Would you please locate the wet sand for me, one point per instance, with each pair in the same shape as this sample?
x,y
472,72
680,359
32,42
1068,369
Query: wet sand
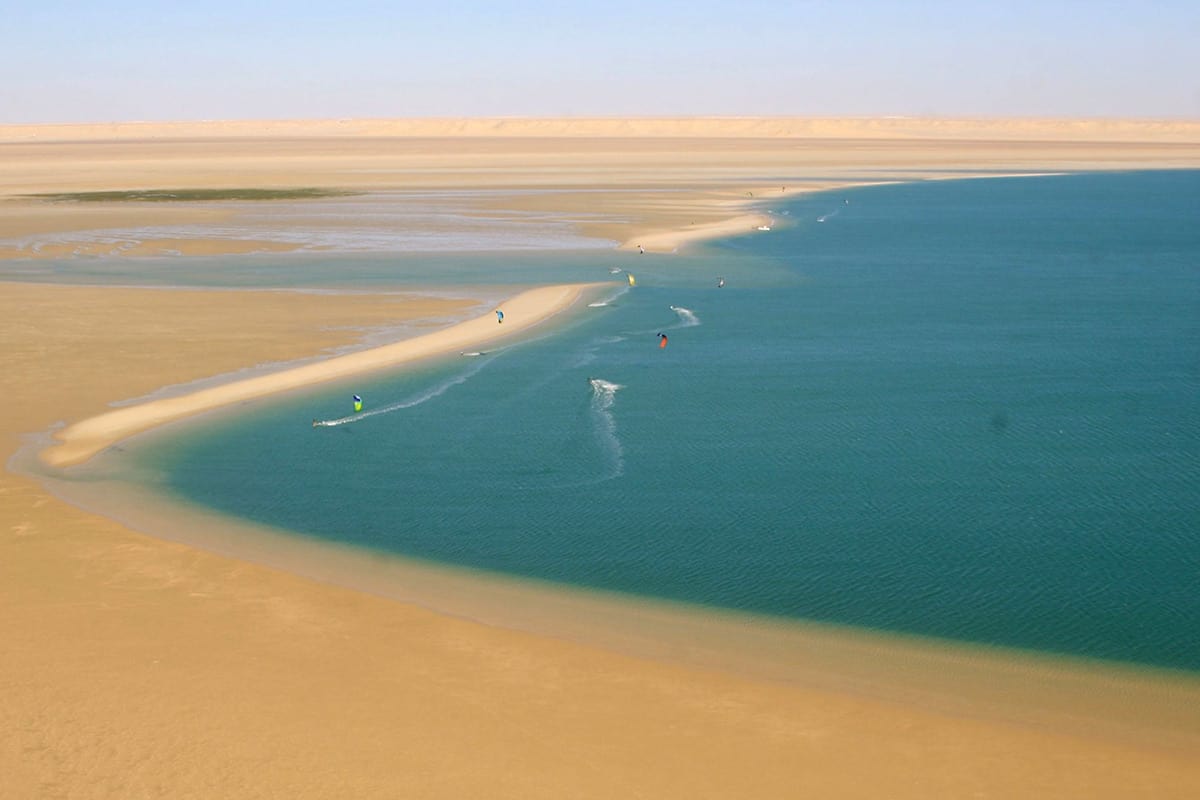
x,y
139,666
659,183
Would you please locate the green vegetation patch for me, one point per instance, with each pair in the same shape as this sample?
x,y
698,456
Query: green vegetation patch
x,y
190,195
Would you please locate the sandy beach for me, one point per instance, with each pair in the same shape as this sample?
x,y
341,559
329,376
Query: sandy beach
x,y
82,440
138,666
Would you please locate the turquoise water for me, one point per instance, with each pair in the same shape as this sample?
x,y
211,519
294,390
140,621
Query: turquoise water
x,y
966,409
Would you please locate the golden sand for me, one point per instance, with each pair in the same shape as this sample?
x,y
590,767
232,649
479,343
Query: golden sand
x,y
625,180
81,440
133,666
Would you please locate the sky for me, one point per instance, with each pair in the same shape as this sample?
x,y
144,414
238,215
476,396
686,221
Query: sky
x,y
123,60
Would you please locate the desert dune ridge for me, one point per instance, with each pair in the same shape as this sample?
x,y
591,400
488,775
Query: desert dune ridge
x,y
888,128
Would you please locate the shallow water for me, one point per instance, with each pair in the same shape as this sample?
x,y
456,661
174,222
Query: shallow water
x,y
375,222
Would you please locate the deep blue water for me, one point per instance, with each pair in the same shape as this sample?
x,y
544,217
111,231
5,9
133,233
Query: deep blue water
x,y
966,409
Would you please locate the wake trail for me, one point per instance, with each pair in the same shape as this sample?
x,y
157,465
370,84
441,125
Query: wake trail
x,y
436,390
687,317
609,300
604,426
833,213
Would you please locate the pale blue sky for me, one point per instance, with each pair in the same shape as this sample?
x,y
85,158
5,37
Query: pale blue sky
x,y
146,60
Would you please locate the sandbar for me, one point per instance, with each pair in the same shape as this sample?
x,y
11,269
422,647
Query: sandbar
x,y
81,440
135,665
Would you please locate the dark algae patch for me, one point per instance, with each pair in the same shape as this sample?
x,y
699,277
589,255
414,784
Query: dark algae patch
x,y
190,195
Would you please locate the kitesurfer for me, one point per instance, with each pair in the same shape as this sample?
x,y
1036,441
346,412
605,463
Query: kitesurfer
x,y
357,404
662,341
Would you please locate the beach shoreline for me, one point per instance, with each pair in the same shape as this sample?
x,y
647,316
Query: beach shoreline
x,y
136,662
81,440
1055,692
657,183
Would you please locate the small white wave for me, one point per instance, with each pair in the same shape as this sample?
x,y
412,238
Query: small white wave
x,y
687,317
605,388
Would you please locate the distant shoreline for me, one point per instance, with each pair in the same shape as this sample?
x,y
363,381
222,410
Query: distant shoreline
x,y
653,183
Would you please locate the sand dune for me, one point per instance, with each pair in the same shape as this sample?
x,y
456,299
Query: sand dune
x,y
1031,129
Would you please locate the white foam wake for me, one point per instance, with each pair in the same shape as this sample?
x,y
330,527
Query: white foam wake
x,y
833,213
608,301
687,317
604,391
436,390
604,394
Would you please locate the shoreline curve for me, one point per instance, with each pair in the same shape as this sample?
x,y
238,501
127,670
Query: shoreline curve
x,y
82,440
